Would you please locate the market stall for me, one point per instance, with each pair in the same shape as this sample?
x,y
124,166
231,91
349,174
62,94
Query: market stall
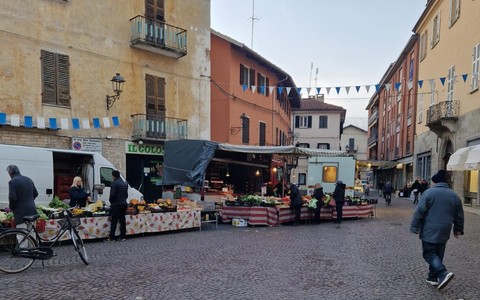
x,y
286,215
254,215
99,227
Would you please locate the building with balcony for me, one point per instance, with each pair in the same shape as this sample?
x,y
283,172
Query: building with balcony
x,y
391,122
57,66
316,124
449,100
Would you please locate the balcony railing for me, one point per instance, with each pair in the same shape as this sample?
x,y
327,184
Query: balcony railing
x,y
158,37
373,117
443,110
158,128
372,139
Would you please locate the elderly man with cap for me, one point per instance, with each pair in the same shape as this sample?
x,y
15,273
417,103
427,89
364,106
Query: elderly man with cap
x,y
439,208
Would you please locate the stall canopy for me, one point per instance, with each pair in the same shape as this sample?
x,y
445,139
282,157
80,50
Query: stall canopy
x,y
465,159
185,161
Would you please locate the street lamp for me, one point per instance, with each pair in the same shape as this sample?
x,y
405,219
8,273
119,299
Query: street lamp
x,y
117,84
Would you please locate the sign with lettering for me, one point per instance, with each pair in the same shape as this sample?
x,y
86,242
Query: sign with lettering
x,y
90,145
144,149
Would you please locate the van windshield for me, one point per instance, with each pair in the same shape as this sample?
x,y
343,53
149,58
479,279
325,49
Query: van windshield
x,y
106,176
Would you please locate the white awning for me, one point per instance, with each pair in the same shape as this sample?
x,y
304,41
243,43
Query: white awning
x,y
465,159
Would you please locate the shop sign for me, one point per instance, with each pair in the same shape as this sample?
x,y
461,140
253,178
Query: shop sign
x,y
143,149
90,145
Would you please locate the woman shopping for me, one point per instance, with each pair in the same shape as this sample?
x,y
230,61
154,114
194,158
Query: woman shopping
x,y
78,196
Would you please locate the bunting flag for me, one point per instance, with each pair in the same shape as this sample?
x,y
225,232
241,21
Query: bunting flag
x,y
396,85
41,122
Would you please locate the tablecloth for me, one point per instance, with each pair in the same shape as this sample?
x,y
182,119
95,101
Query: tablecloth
x,y
255,215
99,227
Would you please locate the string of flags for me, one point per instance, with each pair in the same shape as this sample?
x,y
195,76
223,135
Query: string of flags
x,y
338,89
58,123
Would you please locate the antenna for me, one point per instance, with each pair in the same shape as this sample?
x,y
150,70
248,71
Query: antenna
x,y
316,75
311,69
253,18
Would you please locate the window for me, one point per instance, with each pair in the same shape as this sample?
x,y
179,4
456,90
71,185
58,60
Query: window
x,y
106,176
432,92
262,132
435,30
323,146
411,68
351,144
55,78
303,121
329,174
476,66
423,45
245,129
302,178
247,76
155,91
423,165
450,83
303,145
323,122
155,21
155,10
262,85
454,12
420,108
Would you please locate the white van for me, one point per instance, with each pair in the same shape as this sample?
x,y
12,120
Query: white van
x,y
52,171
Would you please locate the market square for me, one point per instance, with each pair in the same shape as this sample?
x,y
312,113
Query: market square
x,y
366,258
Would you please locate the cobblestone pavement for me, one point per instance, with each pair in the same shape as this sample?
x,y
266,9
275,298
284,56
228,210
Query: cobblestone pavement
x,y
364,259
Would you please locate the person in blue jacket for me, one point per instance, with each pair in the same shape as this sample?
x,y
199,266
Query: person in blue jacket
x,y
439,208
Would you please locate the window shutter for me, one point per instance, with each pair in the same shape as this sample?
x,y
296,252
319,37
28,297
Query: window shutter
x,y
48,77
242,71
267,87
297,121
252,77
161,96
150,92
259,90
309,122
63,80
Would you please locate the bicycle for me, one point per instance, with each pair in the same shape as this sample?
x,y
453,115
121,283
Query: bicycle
x,y
20,247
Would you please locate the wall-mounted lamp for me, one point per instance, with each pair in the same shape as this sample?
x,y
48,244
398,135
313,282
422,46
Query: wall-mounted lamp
x,y
399,166
228,174
117,84
257,172
235,130
274,169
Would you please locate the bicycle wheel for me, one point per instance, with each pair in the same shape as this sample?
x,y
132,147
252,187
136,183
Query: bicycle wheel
x,y
79,245
10,262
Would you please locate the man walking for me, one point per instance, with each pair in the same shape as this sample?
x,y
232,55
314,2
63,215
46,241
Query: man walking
x,y
118,209
439,208
21,195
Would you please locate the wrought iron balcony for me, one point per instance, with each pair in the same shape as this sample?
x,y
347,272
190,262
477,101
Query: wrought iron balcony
x,y
148,127
158,37
372,139
442,116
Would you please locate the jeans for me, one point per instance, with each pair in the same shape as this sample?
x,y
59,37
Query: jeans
x,y
117,214
433,255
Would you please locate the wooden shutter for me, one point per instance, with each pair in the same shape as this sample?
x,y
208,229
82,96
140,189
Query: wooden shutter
x,y
48,78
263,130
63,80
297,121
267,87
242,71
150,92
161,97
252,77
309,122
155,10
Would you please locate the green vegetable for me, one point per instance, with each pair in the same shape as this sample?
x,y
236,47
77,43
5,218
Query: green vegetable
x,y
41,214
57,203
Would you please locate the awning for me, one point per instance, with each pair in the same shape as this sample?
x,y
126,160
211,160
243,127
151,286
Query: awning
x,y
465,159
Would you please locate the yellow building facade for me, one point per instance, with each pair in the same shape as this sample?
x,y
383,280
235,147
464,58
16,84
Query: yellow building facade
x,y
57,60
448,98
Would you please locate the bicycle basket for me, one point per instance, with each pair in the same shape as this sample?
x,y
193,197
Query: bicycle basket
x,y
74,221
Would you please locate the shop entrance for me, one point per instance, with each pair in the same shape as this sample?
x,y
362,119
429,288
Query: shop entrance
x,y
145,173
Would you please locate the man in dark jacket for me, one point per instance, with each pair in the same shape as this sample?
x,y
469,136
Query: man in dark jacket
x,y
339,196
118,206
296,203
21,195
439,208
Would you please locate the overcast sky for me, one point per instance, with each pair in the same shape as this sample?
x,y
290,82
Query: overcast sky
x,y
350,42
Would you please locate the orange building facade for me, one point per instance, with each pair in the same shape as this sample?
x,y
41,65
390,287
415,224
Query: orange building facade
x,y
250,101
